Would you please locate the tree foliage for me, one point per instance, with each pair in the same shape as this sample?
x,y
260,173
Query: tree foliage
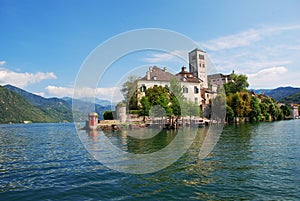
x,y
159,95
145,106
241,103
108,115
239,83
176,97
129,91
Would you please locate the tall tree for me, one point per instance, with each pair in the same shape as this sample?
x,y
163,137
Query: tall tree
x,y
145,107
256,111
176,96
129,91
286,110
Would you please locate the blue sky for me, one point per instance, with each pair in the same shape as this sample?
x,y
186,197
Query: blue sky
x,y
44,43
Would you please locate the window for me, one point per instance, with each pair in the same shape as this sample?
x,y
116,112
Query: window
x,y
196,90
143,88
185,90
201,56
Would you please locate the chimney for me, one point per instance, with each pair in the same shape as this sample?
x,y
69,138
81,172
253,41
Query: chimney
x,y
183,69
165,69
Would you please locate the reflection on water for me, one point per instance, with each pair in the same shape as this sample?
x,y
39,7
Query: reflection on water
x,y
249,162
120,151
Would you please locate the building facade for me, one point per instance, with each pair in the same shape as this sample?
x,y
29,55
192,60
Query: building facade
x,y
217,80
193,82
160,77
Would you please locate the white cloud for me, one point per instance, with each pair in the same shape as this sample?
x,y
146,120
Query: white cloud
x,y
2,63
112,93
273,77
39,93
166,56
233,41
245,38
23,79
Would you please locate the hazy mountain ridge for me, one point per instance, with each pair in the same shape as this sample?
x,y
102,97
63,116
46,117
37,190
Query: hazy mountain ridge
x,y
293,98
86,107
279,93
60,109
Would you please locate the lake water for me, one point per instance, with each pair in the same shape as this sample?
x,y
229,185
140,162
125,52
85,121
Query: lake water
x,y
249,162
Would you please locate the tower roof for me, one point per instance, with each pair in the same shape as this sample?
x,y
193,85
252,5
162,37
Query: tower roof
x,y
197,50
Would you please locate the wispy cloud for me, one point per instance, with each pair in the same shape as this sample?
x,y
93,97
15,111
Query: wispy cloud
x,y
166,56
245,38
233,41
2,63
112,93
267,55
23,79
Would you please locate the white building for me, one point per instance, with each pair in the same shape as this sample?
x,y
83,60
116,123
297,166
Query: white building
x,y
217,80
193,83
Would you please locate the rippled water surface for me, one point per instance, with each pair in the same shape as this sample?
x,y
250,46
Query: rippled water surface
x,y
249,162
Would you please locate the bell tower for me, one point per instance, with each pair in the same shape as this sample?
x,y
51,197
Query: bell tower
x,y
197,65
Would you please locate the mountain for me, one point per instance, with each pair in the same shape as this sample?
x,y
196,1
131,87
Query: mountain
x,y
16,109
52,109
97,101
86,107
278,93
55,108
293,98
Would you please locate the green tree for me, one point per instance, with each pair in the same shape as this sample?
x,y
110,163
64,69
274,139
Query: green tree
x,y
235,101
246,103
256,110
176,96
286,110
145,107
229,113
154,94
164,102
108,115
129,91
239,83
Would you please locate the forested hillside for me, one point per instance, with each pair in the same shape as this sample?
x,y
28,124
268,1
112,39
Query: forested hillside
x,y
16,109
55,108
